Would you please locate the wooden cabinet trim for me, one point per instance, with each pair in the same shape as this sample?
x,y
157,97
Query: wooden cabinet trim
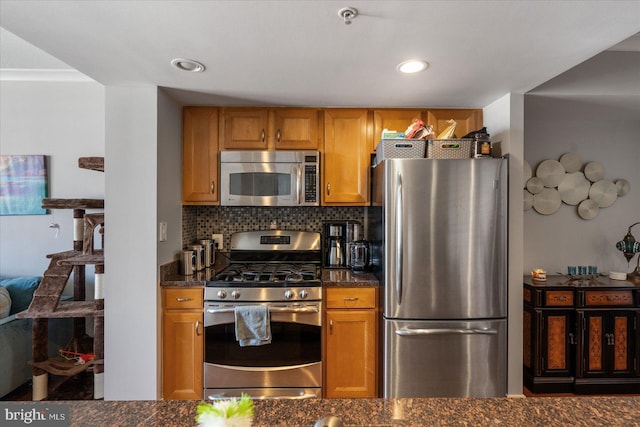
x,y
183,298
559,298
351,297
608,298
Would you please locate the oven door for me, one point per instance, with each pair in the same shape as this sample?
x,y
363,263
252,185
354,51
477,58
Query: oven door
x,y
290,366
261,184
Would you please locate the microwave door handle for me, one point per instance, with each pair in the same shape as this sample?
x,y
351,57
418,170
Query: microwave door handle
x,y
298,184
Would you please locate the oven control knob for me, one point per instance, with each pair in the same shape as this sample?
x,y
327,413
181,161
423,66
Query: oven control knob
x,y
304,294
288,294
222,294
235,294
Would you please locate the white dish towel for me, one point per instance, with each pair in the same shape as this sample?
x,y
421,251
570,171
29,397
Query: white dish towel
x,y
253,326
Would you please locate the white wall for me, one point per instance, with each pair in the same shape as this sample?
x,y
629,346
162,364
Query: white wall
x,y
131,253
169,175
595,129
65,121
504,120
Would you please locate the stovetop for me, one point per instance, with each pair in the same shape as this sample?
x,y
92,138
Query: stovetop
x,y
248,274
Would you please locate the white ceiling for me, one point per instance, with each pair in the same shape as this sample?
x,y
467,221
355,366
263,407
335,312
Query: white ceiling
x,y
300,53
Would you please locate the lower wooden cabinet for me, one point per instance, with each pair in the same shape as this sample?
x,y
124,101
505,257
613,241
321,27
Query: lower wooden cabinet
x,y
182,343
351,338
581,337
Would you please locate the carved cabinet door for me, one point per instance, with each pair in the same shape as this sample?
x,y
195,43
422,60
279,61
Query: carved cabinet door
x,y
558,343
608,343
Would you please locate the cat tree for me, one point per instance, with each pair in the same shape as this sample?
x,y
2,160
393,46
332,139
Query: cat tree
x,y
82,352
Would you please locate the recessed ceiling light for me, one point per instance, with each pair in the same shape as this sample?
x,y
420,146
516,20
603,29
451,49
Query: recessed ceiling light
x,y
412,66
187,65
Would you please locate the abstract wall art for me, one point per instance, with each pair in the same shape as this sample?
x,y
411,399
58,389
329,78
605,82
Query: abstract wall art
x,y
23,184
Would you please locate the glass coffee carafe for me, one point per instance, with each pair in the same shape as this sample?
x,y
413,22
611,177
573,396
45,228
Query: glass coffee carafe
x,y
359,255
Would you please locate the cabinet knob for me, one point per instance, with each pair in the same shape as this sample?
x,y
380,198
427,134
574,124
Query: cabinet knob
x,y
183,299
351,299
213,187
262,135
328,189
278,135
197,327
330,326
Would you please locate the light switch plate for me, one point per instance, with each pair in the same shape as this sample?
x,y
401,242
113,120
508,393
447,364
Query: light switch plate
x,y
162,232
217,241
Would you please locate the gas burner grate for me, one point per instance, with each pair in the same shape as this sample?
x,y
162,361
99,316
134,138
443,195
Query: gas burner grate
x,y
269,273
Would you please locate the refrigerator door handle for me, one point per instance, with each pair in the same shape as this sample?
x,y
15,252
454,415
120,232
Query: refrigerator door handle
x,y
399,263
445,331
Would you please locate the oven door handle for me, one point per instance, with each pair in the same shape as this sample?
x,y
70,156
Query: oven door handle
x,y
271,310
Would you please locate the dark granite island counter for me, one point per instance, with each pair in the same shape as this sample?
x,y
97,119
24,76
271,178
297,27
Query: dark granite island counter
x,y
541,411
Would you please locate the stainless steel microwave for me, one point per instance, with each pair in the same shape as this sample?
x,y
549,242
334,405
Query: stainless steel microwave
x,y
269,178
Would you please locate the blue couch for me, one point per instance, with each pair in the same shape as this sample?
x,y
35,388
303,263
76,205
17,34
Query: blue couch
x,y
15,334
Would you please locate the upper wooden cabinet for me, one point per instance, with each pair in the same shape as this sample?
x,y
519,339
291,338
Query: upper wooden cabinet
x,y
244,128
467,120
269,129
200,156
398,120
296,129
347,157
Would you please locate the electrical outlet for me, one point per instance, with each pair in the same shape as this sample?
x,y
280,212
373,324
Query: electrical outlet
x,y
217,241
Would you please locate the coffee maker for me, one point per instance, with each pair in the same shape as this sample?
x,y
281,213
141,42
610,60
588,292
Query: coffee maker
x,y
338,237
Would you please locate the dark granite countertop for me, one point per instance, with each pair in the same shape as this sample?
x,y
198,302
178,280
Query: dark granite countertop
x,y
345,277
170,276
538,411
599,281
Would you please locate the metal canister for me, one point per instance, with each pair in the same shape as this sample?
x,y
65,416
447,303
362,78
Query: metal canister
x,y
209,252
187,262
482,145
199,251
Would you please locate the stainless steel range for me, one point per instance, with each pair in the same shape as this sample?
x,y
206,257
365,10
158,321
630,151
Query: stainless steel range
x,y
281,270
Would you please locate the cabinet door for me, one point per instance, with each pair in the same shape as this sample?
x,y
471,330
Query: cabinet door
x,y
351,353
296,129
558,343
347,156
398,120
467,120
200,155
182,354
244,129
608,346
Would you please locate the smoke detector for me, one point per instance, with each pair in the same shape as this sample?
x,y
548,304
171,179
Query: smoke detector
x,y
348,14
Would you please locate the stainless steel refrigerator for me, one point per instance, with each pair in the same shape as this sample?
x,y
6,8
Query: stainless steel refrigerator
x,y
438,232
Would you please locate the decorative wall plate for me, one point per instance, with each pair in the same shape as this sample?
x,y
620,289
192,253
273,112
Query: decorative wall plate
x,y
551,172
623,187
528,200
594,171
574,188
547,201
588,209
535,185
571,162
603,192
526,173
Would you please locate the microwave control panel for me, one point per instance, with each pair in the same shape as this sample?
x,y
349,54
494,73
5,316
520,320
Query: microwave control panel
x,y
310,184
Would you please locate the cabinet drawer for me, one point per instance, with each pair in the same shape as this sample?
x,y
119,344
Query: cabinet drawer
x,y
351,298
182,298
558,298
608,298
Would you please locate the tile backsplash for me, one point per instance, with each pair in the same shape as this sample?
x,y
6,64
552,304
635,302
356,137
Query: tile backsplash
x,y
199,222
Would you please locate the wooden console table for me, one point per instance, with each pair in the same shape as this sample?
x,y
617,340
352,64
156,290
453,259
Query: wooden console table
x,y
581,336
